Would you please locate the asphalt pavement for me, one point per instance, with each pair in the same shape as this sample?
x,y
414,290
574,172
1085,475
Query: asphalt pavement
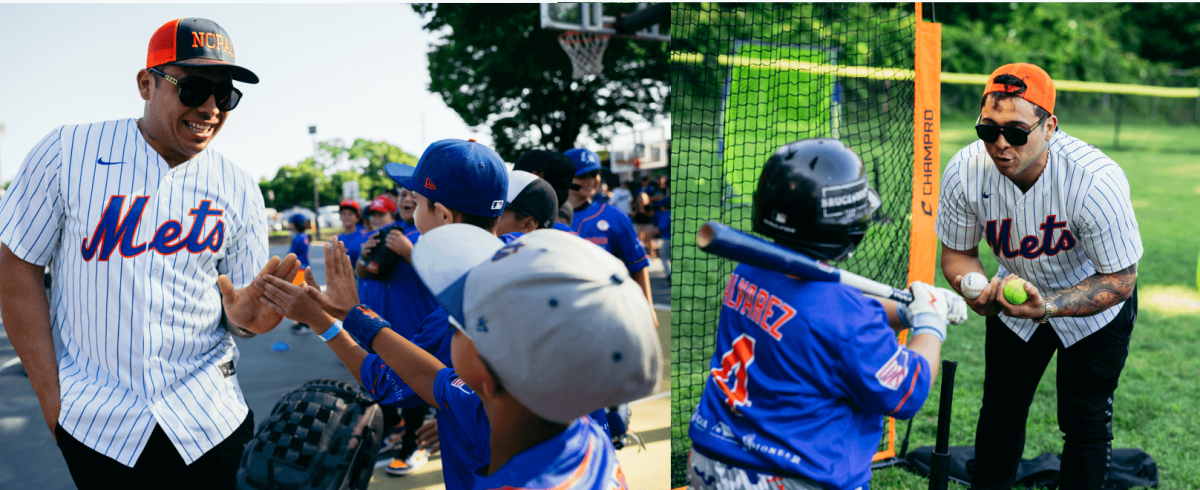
x,y
29,458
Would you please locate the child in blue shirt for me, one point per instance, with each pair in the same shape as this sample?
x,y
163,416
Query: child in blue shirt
x,y
525,377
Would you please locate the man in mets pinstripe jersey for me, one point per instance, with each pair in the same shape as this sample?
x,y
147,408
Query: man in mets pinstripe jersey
x,y
149,233
803,372
1055,211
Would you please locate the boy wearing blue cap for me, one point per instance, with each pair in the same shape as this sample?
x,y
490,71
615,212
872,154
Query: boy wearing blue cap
x,y
455,181
520,391
603,224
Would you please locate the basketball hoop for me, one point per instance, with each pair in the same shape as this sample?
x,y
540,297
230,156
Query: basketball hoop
x,y
586,50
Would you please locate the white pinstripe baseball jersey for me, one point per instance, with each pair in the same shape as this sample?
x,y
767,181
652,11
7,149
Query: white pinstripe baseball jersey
x,y
135,249
1075,221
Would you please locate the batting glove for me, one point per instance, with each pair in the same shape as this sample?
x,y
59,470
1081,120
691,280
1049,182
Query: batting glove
x,y
957,311
929,310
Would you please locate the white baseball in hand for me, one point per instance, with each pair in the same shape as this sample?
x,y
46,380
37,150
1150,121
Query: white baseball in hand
x,y
972,285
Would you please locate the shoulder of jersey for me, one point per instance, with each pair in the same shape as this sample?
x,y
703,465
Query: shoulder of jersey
x,y
71,132
972,155
1081,154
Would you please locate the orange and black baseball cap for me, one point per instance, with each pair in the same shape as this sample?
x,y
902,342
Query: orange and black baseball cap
x,y
195,42
1039,88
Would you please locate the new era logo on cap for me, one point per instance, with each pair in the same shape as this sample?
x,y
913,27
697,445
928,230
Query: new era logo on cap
x,y
464,176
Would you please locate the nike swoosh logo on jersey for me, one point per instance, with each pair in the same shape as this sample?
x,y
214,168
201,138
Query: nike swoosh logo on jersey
x,y
986,195
102,162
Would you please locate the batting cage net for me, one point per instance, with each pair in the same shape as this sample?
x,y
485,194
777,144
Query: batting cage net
x,y
746,79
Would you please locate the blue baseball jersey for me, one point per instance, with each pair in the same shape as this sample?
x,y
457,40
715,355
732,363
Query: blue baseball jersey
x,y
409,302
607,227
579,458
300,248
463,430
662,219
353,242
801,377
561,227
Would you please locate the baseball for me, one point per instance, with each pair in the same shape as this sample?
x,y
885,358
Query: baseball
x,y
972,285
1014,292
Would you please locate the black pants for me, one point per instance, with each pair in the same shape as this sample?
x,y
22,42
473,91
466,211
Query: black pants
x,y
414,418
1088,371
160,465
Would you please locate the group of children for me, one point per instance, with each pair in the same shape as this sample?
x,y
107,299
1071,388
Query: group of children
x,y
519,335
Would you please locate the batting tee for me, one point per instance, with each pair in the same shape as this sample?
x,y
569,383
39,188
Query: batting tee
x,y
749,78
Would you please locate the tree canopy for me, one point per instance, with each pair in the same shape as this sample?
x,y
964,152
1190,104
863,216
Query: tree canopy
x,y
497,68
363,161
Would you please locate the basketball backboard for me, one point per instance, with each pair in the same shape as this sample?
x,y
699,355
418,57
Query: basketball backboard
x,y
639,150
646,21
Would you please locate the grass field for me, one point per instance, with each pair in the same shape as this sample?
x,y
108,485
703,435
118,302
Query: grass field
x,y
1155,407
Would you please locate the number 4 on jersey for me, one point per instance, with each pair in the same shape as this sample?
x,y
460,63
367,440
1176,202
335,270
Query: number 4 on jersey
x,y
734,364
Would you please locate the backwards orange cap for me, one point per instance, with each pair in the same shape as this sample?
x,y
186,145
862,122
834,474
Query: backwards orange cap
x,y
1039,87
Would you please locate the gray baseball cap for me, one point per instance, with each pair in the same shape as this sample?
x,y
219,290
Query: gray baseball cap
x,y
558,318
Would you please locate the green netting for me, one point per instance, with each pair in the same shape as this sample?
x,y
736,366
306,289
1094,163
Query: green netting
x,y
746,79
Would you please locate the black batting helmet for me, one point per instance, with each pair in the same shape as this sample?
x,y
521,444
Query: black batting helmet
x,y
813,197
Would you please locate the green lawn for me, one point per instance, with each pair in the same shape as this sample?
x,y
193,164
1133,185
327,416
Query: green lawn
x,y
1154,405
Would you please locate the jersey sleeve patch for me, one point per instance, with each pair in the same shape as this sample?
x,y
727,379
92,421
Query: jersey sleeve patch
x,y
895,371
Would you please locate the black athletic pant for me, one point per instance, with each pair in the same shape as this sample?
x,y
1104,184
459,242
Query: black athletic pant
x,y
414,418
159,465
1087,378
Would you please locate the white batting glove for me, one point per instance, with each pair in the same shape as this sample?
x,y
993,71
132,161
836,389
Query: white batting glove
x,y
929,310
957,311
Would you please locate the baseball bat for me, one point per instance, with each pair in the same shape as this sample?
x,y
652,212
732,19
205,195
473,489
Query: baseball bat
x,y
939,463
723,241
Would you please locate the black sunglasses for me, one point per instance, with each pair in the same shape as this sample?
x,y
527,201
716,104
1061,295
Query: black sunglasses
x,y
1013,135
195,91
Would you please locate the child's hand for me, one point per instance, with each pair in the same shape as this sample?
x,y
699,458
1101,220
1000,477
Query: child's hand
x,y
292,301
397,242
341,291
369,245
427,437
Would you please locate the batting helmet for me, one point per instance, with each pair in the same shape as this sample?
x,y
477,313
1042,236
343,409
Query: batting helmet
x,y
813,197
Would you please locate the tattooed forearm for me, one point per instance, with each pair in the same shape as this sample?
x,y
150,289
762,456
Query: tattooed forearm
x,y
1095,294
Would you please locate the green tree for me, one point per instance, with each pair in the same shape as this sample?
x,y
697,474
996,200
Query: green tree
x,y
367,158
496,67
363,161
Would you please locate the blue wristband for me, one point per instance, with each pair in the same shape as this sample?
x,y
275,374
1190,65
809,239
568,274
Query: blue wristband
x,y
364,324
332,332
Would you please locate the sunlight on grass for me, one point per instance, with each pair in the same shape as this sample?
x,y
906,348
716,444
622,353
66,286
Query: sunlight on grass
x,y
1170,300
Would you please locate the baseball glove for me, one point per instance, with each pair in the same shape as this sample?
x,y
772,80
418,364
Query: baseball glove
x,y
323,435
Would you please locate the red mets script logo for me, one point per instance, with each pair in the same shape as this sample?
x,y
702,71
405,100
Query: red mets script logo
x,y
115,231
